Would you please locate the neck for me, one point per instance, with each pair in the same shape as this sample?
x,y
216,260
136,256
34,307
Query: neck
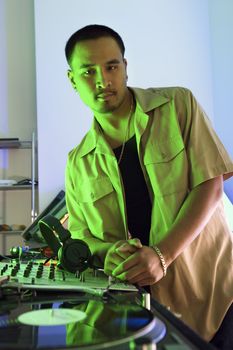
x,y
118,125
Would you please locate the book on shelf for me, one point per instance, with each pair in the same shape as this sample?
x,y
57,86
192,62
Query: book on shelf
x,y
7,182
8,142
4,139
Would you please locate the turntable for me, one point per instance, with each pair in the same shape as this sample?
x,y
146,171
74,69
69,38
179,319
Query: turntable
x,y
75,323
86,312
43,306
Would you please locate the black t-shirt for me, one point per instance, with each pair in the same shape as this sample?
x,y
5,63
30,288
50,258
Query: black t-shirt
x,y
138,202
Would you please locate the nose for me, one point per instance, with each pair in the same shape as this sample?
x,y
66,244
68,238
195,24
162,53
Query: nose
x,y
102,80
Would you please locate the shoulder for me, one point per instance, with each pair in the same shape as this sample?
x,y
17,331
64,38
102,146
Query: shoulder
x,y
170,91
178,93
153,97
81,148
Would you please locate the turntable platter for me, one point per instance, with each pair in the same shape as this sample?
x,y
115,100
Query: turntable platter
x,y
97,325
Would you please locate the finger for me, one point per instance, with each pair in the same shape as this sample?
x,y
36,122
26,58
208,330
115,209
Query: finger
x,y
136,277
109,268
124,255
129,247
135,242
133,260
146,282
129,275
112,261
140,277
117,259
126,265
126,247
107,272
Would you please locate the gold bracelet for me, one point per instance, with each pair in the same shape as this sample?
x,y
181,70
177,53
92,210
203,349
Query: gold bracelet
x,y
161,258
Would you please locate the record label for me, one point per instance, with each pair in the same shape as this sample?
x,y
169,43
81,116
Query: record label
x,y
51,317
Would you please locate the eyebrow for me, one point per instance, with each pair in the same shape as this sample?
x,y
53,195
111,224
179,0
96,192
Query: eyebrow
x,y
87,65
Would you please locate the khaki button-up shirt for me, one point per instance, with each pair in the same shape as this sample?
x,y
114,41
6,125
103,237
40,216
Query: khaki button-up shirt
x,y
178,150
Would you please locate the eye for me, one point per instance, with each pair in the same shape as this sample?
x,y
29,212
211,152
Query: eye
x,y
89,72
112,67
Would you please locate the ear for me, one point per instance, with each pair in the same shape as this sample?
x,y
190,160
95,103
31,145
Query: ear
x,y
71,78
125,63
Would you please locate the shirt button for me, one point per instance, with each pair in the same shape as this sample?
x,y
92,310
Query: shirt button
x,y
92,195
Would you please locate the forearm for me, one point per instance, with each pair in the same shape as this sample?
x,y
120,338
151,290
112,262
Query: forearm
x,y
192,218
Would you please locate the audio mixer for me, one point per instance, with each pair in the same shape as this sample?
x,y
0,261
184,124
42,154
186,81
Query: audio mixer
x,y
36,275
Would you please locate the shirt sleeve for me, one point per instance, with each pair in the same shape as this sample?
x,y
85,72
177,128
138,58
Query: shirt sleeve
x,y
206,154
77,224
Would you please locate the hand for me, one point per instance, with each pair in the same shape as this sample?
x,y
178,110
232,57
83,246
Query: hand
x,y
120,251
143,267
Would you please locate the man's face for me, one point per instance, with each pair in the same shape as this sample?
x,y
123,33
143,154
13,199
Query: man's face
x,y
98,73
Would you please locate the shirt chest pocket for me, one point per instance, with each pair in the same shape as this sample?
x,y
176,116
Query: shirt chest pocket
x,y
166,165
93,190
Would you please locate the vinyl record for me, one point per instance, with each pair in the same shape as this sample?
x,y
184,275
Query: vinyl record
x,y
88,325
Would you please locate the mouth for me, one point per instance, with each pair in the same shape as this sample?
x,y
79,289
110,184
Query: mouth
x,y
105,96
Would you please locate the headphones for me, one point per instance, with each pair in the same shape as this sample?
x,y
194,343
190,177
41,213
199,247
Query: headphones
x,y
73,254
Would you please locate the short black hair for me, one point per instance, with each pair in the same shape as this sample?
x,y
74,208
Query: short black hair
x,y
92,31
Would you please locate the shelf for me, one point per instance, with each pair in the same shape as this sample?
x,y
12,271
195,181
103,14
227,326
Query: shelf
x,y
10,232
10,146
16,187
15,144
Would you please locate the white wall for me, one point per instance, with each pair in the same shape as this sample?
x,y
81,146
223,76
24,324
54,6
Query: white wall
x,y
17,102
167,43
221,21
17,69
3,70
221,25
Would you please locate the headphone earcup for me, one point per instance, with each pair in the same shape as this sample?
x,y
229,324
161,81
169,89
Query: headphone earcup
x,y
75,255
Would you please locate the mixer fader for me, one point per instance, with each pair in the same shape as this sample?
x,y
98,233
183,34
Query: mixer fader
x,y
37,275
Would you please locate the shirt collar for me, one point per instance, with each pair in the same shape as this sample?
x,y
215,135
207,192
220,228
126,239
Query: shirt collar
x,y
146,100
94,139
149,99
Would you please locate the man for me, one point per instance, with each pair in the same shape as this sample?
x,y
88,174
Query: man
x,y
144,187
